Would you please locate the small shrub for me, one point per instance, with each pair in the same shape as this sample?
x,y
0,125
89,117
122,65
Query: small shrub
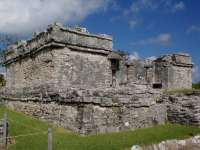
x,y
179,91
196,85
2,80
122,53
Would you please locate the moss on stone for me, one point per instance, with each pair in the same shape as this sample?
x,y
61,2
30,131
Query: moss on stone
x,y
181,91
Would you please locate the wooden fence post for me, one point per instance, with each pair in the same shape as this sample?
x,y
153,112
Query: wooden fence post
x,y
5,130
50,139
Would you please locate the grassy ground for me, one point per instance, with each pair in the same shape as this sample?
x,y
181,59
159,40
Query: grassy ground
x,y
181,91
196,85
65,140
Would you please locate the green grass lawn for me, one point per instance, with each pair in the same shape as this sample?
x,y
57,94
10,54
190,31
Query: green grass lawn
x,y
21,124
196,85
181,91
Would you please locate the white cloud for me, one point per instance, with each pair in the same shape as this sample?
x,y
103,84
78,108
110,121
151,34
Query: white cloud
x,y
141,5
138,8
161,39
133,23
164,39
152,58
112,4
196,74
178,6
193,28
21,16
3,71
134,56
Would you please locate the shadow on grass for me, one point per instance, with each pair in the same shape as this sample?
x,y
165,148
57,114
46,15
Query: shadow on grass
x,y
66,140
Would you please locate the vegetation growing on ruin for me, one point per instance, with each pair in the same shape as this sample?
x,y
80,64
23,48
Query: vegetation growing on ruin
x,y
180,91
2,80
196,85
21,124
122,53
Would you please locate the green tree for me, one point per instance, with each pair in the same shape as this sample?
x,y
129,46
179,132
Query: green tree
x,y
2,80
196,85
122,53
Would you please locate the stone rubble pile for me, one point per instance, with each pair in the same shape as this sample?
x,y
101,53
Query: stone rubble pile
x,y
188,144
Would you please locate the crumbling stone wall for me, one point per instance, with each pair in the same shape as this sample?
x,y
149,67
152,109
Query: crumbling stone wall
x,y
31,72
73,79
192,143
63,57
184,108
60,68
79,69
174,71
180,77
59,58
136,71
110,110
94,111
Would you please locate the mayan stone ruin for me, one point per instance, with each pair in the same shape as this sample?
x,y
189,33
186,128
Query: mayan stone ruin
x,y
76,80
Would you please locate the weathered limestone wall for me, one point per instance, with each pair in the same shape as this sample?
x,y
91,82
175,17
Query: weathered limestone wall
x,y
149,67
184,108
81,69
65,76
95,111
173,77
59,68
188,144
59,58
174,71
161,74
81,38
121,74
57,34
31,72
180,77
136,72
61,115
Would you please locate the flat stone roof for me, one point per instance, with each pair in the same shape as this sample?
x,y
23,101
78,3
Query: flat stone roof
x,y
58,36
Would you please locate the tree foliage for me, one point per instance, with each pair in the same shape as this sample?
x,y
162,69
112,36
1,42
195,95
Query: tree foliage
x,y
7,40
2,80
122,53
196,85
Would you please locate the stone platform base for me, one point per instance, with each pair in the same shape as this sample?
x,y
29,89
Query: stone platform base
x,y
95,111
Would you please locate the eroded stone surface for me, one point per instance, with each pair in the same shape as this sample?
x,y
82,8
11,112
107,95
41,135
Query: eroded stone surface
x,y
73,79
184,109
94,111
188,144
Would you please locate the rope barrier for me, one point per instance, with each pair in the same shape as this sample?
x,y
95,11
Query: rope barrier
x,y
25,135
22,124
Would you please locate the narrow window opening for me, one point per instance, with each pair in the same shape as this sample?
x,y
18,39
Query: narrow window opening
x,y
114,64
157,85
114,68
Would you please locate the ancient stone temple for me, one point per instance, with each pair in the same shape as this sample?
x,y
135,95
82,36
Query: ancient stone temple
x,y
75,79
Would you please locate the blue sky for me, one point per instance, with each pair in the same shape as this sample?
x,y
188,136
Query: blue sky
x,y
153,28
143,28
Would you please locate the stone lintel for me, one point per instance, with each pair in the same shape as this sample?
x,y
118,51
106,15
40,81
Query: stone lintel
x,y
56,45
183,65
30,53
85,49
102,36
67,36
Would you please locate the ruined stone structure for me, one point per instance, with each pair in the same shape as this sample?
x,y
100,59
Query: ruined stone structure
x,y
75,79
187,144
174,71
